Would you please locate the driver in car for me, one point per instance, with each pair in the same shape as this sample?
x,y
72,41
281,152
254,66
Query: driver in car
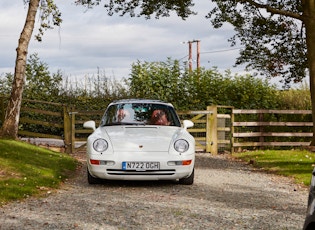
x,y
159,117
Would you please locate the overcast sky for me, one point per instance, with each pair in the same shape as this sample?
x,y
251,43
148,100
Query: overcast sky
x,y
88,40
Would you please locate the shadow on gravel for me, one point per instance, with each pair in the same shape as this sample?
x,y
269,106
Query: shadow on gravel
x,y
205,160
137,184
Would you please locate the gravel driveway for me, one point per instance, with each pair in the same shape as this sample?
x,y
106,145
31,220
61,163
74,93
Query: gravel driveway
x,y
226,195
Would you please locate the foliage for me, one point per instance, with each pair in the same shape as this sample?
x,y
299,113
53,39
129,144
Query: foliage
x,y
167,81
96,93
50,16
161,8
248,92
199,88
6,83
297,164
40,83
30,170
299,98
43,85
272,38
156,80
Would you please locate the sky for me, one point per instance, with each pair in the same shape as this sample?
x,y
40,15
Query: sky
x,y
90,40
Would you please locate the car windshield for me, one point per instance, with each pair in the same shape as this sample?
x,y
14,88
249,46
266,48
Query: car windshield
x,y
140,114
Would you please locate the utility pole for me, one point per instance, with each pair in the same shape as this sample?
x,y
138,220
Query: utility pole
x,y
190,61
198,54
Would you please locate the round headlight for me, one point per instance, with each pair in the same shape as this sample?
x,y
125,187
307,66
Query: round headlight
x,y
100,145
181,145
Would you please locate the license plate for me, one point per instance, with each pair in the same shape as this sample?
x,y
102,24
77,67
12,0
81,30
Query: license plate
x,y
140,165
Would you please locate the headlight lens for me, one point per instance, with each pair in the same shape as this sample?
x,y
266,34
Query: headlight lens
x,y
100,145
181,145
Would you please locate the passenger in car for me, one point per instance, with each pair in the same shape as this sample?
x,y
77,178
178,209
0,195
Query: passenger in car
x,y
123,115
159,117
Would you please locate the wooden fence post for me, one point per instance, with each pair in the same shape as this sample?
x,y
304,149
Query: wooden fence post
x,y
72,130
261,129
212,132
232,131
67,129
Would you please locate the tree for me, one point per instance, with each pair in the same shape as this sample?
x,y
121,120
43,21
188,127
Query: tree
x,y
278,37
50,16
40,84
156,80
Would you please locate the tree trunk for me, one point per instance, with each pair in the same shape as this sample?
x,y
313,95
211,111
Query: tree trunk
x,y
309,20
11,122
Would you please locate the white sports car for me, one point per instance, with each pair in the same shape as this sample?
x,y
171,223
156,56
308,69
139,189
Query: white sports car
x,y
140,139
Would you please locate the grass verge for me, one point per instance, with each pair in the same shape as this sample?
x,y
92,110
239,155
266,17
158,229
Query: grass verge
x,y
297,164
27,170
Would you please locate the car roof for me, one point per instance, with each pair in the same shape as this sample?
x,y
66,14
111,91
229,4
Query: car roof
x,y
135,100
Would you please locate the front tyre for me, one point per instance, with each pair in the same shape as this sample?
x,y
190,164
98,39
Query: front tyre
x,y
91,179
188,180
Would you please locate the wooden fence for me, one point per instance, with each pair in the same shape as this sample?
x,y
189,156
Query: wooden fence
x,y
272,128
39,119
217,129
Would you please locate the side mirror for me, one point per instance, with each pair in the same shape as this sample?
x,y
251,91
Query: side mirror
x,y
187,124
89,125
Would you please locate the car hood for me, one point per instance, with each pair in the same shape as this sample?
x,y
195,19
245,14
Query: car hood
x,y
144,138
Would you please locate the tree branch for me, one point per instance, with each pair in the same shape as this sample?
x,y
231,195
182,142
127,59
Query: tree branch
x,y
272,9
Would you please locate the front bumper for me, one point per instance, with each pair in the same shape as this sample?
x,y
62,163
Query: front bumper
x,y
165,172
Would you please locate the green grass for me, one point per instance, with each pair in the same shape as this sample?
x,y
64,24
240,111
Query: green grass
x,y
27,170
297,164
